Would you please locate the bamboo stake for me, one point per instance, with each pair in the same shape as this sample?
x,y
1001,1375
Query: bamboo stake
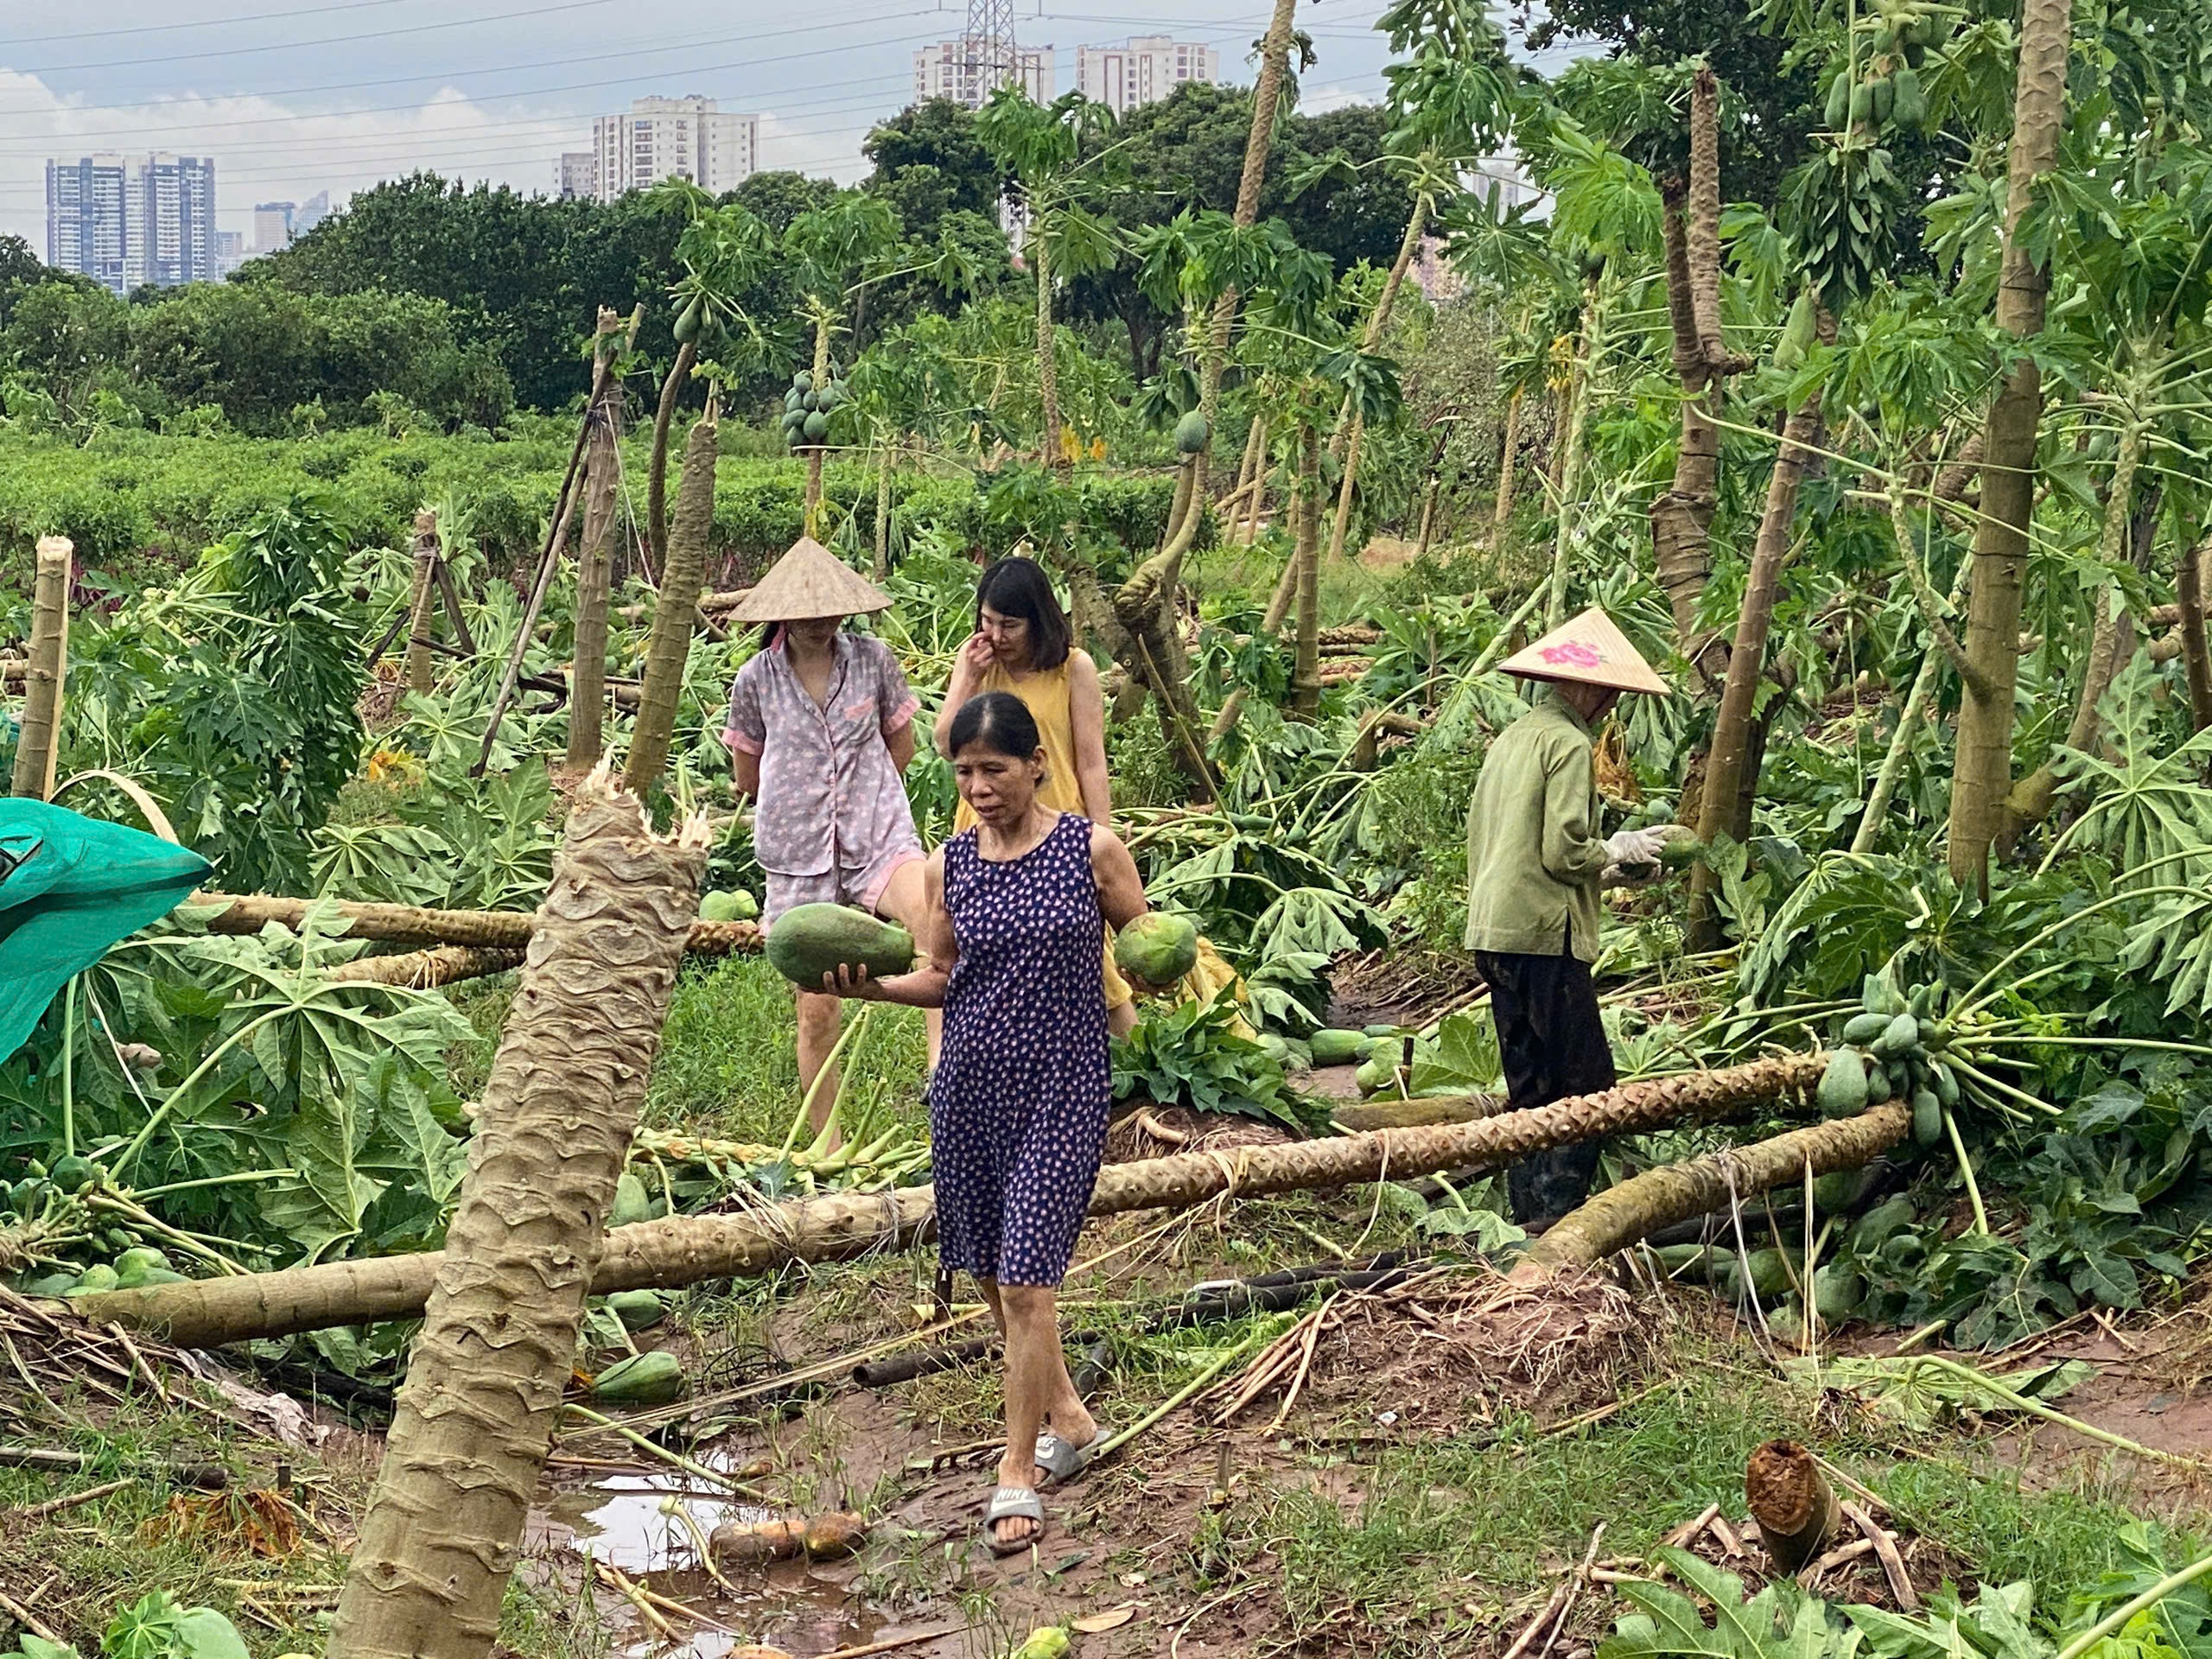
x,y
38,740
421,676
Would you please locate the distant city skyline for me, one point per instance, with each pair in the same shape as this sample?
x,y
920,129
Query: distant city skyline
x,y
317,95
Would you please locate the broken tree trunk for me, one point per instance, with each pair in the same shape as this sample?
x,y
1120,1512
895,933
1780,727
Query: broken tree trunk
x,y
37,740
499,1339
1345,442
595,563
1730,775
1144,605
1048,371
2189,591
683,574
1641,1205
1306,663
2032,797
657,465
1792,1500
489,930
421,673
1576,407
1682,519
1982,772
1508,455
688,1250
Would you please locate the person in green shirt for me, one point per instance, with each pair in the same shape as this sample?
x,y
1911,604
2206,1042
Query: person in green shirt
x,y
1536,863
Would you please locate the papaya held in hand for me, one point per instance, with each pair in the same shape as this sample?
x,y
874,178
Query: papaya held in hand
x,y
811,943
1156,950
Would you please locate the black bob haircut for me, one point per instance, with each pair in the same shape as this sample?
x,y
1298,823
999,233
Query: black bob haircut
x,y
999,720
1019,588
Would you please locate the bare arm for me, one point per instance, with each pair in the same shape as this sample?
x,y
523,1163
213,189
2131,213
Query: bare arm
x,y
745,773
901,745
1087,726
924,987
1121,890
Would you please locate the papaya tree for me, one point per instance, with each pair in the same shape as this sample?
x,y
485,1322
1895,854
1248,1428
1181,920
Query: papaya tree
x,y
1982,771
724,250
1054,155
1841,214
1448,107
834,251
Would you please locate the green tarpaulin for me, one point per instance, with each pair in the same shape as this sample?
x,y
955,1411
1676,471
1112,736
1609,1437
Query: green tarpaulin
x,y
70,886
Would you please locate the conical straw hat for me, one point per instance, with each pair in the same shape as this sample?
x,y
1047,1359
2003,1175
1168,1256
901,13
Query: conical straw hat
x,y
1587,649
810,582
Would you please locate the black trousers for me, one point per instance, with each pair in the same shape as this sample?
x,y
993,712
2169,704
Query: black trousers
x,y
1553,1044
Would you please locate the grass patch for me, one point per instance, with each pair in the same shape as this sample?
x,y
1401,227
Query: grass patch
x,y
728,1061
1437,1540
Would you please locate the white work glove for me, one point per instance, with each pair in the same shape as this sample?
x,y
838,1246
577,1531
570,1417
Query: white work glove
x,y
1633,847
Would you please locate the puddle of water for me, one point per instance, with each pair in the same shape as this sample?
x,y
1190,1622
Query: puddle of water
x,y
626,1520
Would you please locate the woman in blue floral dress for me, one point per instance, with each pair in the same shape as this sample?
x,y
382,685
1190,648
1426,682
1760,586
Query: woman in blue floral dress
x,y
1016,910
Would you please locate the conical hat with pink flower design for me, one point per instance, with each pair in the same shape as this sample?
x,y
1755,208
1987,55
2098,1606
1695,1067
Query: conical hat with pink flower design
x,y
1589,651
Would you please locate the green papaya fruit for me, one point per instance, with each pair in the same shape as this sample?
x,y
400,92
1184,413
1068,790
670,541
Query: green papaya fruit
x,y
1838,1190
1837,1291
1331,1047
639,1310
1945,1083
1376,1072
1862,104
817,429
1842,1092
98,1277
730,905
140,1278
1879,1085
74,1175
1864,1028
1884,100
1916,1004
1901,1033
687,323
141,1258
1839,103
1687,1263
1903,1252
1192,435
791,401
1927,1120
1157,949
648,1379
1875,1227
1909,103
1770,1272
804,380
633,1203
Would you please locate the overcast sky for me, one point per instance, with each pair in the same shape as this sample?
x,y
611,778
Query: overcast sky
x,y
291,97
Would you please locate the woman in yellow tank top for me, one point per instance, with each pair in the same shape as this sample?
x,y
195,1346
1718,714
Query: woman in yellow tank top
x,y
1022,644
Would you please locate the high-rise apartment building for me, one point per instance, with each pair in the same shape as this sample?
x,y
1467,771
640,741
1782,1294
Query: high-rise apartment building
x,y
272,225
128,220
86,218
576,174
1140,70
962,70
672,137
230,252
311,212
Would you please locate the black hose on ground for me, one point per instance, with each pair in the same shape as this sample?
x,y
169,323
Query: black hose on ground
x,y
1266,1292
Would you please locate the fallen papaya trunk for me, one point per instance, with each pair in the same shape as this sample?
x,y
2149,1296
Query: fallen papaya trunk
x,y
422,970
487,930
691,1250
1643,1203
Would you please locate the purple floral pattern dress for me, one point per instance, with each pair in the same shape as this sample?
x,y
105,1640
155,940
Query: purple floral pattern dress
x,y
1019,1102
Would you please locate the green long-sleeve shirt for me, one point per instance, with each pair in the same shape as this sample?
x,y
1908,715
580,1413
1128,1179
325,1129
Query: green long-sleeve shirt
x,y
1534,854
